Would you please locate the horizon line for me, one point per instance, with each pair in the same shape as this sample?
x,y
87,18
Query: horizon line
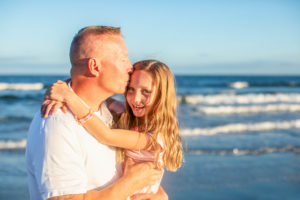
x,y
176,74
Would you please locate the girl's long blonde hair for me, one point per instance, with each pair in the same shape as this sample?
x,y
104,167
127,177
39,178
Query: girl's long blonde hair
x,y
162,118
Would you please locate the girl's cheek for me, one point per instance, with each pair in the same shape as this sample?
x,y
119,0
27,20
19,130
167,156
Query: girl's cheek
x,y
146,100
128,100
128,97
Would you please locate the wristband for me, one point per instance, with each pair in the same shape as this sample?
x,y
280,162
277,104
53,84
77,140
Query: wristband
x,y
85,118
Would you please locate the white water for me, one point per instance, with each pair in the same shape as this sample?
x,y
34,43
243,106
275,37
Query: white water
x,y
242,127
229,98
18,144
21,86
239,152
239,85
229,110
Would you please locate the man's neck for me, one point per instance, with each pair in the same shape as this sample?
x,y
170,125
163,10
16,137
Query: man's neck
x,y
90,93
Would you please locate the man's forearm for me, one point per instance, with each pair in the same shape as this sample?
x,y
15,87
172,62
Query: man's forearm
x,y
117,190
159,195
135,177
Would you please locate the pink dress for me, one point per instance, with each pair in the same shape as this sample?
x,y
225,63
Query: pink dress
x,y
146,156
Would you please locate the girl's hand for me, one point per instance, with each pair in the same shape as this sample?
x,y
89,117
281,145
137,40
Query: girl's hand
x,y
56,97
59,91
51,106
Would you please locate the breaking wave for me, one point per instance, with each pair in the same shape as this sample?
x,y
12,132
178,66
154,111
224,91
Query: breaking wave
x,y
229,110
238,85
239,152
229,98
13,144
21,86
240,127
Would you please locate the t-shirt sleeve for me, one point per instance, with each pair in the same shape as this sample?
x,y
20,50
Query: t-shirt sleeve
x,y
62,171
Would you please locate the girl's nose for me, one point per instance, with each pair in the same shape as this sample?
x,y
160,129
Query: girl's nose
x,y
137,98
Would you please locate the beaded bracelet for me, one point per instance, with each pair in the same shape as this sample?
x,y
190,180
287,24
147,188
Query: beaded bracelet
x,y
85,118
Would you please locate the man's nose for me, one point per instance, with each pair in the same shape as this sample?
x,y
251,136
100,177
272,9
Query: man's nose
x,y
130,67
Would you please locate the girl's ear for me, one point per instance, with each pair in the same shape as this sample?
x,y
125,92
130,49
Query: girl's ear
x,y
94,66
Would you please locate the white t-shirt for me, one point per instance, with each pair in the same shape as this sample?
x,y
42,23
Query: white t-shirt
x,y
63,158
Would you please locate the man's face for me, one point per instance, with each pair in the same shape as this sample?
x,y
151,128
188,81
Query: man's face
x,y
115,65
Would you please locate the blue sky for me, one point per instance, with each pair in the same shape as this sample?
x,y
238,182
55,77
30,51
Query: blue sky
x,y
192,37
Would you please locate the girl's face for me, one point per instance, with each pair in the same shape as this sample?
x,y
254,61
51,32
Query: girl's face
x,y
141,93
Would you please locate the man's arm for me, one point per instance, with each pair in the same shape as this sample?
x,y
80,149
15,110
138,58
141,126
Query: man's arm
x,y
118,190
160,195
135,177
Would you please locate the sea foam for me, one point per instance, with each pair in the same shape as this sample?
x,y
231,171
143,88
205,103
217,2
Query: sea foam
x,y
229,110
13,144
239,85
21,86
229,98
242,127
240,152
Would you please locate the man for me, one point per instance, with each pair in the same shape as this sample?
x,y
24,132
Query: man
x,y
64,161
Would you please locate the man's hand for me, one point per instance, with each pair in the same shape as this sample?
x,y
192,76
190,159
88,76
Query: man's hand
x,y
160,195
141,175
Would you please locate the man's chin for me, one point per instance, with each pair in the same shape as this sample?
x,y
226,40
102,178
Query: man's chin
x,y
121,91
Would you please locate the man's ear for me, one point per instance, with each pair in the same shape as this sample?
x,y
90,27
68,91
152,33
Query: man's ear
x,y
94,66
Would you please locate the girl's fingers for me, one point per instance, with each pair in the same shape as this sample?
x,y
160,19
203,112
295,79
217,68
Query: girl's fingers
x,y
55,107
44,107
49,108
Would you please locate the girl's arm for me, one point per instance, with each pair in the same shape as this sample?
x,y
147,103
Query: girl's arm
x,y
115,137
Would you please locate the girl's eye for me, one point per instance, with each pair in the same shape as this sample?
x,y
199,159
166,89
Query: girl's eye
x,y
146,92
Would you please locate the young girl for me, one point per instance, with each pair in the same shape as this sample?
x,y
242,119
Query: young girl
x,y
150,110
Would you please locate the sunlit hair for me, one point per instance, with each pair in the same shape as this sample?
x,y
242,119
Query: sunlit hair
x,y
161,119
77,46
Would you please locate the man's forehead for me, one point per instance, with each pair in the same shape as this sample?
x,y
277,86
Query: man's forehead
x,y
106,41
105,38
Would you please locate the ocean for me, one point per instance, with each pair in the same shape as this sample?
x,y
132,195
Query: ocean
x,y
241,136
